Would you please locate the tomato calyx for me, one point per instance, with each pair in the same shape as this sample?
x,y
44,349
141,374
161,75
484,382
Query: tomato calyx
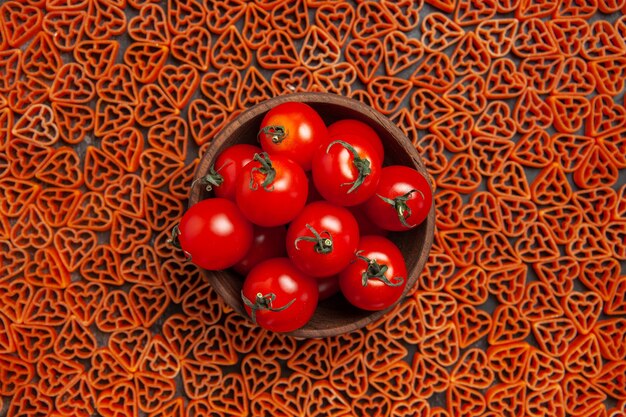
x,y
377,271
212,179
323,241
266,169
275,133
400,205
263,303
175,242
362,165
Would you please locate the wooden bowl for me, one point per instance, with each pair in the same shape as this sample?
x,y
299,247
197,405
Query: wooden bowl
x,y
335,315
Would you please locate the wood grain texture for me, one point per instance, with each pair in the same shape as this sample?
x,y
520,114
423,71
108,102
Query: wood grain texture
x,y
333,316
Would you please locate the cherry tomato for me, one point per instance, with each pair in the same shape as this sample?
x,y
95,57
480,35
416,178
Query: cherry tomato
x,y
346,172
223,173
377,277
366,226
294,130
271,192
267,243
327,287
356,127
402,201
279,297
322,239
214,233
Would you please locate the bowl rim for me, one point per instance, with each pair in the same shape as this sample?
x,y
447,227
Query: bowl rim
x,y
384,123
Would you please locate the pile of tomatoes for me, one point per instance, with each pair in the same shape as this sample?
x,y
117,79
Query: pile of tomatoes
x,y
304,216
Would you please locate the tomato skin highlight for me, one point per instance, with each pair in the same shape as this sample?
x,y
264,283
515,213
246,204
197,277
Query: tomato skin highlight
x,y
278,276
229,165
277,203
335,225
215,234
396,181
336,175
343,127
267,243
304,132
376,295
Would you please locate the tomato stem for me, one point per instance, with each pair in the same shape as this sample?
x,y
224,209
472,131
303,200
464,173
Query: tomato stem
x,y
362,165
377,271
401,207
175,242
276,133
266,169
263,303
323,244
212,179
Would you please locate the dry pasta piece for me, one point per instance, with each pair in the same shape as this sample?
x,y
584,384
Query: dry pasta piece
x,y
182,333
430,377
613,145
66,4
497,253
16,374
535,9
436,308
223,14
533,39
6,125
542,72
495,121
344,345
533,149
20,21
75,341
395,382
569,112
337,18
600,275
400,52
179,83
583,309
203,302
469,285
244,333
77,399
507,399
509,361
470,56
312,359
614,233
159,359
602,41
102,266
112,117
349,376
569,34
30,231
465,401
554,336
531,112
74,246
543,371
142,267
18,195
441,345
337,79
432,150
319,49
434,73
46,308
279,51
388,93
179,278
116,314
128,232
439,268
583,356
462,245
10,63
126,195
411,407
153,391
150,25
597,205
405,13
294,80
118,400
609,74
205,120
292,393
470,13
380,352
427,108
536,244
229,50
26,93
539,303
46,270
184,15
606,116
472,324
575,78
405,323
259,374
490,153
74,121
57,373
129,346
154,106
158,167
467,95
100,169
256,25
610,334
33,341
106,371
293,17
118,85
372,20
125,147
324,400
199,378
41,58
508,285
447,6
610,379
571,150
366,55
104,20
27,401
377,403
509,325
402,119
37,125
91,213
146,59
559,274
71,85
596,170
461,174
263,405
222,87
84,300
439,32
97,57
562,221
616,305
230,396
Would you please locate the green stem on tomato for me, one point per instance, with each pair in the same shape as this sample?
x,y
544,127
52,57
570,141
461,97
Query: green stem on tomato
x,y
401,207
212,179
362,165
263,303
377,271
323,244
275,133
266,169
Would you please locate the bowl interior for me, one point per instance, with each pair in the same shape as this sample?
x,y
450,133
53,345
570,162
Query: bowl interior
x,y
335,315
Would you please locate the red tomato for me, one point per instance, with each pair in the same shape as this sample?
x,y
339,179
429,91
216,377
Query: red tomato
x,y
402,201
356,127
366,226
271,192
327,287
223,173
377,278
214,233
267,243
279,297
346,172
322,239
294,130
